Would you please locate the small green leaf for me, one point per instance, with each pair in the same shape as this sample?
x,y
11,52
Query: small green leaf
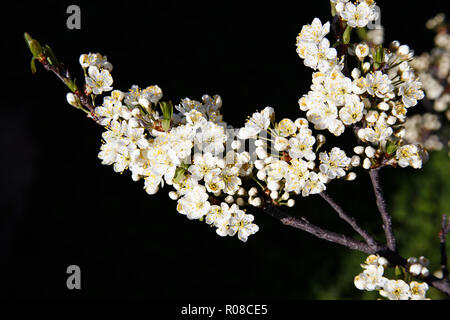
x,y
33,65
166,109
347,34
165,124
51,58
391,147
399,272
33,45
179,174
333,8
378,57
71,84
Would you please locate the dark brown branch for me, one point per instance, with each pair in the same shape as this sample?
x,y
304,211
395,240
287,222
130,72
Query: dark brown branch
x,y
63,74
393,257
349,219
305,225
381,204
445,228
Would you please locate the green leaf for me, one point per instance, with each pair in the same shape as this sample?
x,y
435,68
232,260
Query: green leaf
x,y
333,8
399,272
33,45
378,57
51,58
166,109
165,124
71,84
33,65
179,174
347,34
391,147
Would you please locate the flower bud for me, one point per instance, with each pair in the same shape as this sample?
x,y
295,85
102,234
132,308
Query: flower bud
x,y
321,139
236,144
358,149
84,61
370,152
412,260
383,106
240,201
350,176
259,164
366,66
394,45
425,272
273,186
256,202
173,195
382,261
356,73
229,199
261,175
73,100
355,161
241,192
291,203
424,261
252,192
415,269
274,195
367,164
261,153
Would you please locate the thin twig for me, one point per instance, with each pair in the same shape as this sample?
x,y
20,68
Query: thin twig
x,y
63,74
305,225
349,219
381,204
445,228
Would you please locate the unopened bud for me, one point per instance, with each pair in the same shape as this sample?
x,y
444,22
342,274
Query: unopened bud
x,y
173,195
370,152
358,149
252,192
350,176
229,199
73,100
355,161
367,164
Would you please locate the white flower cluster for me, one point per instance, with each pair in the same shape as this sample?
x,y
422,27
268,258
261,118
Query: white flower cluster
x,y
372,278
373,102
213,175
358,14
98,78
434,72
293,167
134,140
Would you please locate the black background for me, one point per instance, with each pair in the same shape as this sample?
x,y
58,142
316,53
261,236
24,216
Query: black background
x,y
60,206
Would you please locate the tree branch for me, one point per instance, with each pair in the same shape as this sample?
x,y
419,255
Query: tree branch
x,y
63,74
381,204
305,225
393,257
350,220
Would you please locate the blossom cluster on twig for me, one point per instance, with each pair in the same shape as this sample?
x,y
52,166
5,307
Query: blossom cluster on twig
x,y
213,175
374,278
431,128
